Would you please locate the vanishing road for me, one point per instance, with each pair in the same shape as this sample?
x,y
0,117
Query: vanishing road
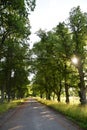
x,y
35,116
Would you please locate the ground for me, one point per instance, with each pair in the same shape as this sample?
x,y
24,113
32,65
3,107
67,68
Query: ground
x,y
35,116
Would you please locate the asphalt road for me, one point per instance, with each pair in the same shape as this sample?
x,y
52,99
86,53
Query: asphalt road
x,y
35,116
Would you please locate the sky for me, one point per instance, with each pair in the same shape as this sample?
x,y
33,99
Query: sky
x,y
48,13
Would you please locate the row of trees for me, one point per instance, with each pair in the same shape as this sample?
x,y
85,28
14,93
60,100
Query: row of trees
x,y
51,58
14,48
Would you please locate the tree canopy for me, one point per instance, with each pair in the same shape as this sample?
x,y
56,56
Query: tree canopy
x,y
50,59
14,49
54,70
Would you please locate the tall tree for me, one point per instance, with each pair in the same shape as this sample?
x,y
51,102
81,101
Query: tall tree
x,y
14,32
64,43
78,26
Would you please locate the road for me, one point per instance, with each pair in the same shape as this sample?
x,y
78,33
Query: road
x,y
35,116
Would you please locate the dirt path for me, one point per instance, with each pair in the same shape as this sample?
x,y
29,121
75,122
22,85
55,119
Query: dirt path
x,y
35,116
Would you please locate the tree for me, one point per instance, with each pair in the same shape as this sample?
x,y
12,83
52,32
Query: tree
x,y
53,54
14,33
42,60
64,49
78,26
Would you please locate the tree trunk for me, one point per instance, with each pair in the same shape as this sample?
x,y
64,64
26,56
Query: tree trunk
x,y
41,95
48,96
2,94
82,87
8,85
59,93
66,86
67,93
58,98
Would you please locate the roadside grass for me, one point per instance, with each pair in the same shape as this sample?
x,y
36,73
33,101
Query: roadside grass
x,y
75,112
9,105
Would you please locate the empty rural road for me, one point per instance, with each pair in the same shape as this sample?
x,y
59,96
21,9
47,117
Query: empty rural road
x,y
35,116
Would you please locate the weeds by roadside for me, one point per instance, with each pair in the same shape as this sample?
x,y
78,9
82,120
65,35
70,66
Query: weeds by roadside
x,y
76,112
6,106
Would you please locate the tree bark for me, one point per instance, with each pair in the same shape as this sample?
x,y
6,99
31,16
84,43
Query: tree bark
x,y
59,93
67,93
48,96
82,87
2,94
66,86
41,94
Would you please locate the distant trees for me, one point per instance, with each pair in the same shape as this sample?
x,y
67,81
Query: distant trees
x,y
54,71
14,34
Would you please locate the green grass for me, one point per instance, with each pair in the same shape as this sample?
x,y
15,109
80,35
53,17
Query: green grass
x,y
6,106
73,111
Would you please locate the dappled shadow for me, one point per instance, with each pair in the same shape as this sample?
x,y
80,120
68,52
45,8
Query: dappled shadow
x,y
47,115
16,127
36,116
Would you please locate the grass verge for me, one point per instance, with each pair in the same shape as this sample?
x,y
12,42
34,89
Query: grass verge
x,y
75,112
6,106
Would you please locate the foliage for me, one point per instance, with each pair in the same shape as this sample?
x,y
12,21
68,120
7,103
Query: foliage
x,y
14,48
78,24
52,64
